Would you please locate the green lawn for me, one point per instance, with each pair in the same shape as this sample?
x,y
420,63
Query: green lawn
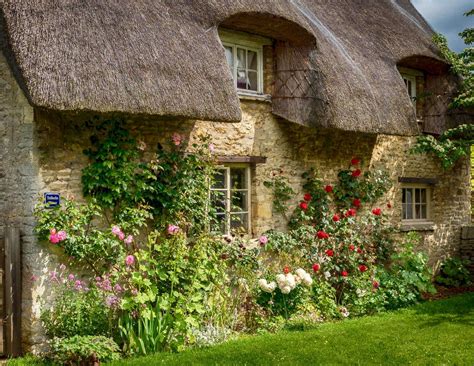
x,y
434,333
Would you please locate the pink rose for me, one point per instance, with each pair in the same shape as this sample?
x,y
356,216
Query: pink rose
x,y
263,240
121,235
129,260
177,139
71,277
173,229
116,230
54,239
128,240
62,235
211,148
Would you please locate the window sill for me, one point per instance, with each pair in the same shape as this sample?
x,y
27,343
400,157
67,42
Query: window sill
x,y
251,96
417,226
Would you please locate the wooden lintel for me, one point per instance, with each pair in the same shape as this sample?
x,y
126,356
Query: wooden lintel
x,y
242,159
414,180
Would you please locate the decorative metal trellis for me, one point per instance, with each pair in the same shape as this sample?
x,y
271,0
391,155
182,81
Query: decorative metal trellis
x,y
302,84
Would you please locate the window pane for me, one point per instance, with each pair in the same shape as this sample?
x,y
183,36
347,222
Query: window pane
x,y
241,58
241,79
238,178
417,211
404,200
252,60
238,223
218,201
229,56
424,214
417,195
409,203
252,80
219,179
239,201
423,195
219,224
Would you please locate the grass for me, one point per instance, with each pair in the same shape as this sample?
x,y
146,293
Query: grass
x,y
432,333
439,332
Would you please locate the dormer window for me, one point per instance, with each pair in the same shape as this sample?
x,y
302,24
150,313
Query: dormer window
x,y
410,83
244,53
411,78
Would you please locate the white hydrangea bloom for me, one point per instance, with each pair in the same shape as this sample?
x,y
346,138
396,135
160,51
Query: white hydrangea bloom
x,y
285,290
265,286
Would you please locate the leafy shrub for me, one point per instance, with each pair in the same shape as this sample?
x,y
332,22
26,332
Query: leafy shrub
x,y
209,335
76,310
453,272
79,350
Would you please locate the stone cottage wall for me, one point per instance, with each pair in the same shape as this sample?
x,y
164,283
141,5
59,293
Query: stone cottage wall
x,y
47,155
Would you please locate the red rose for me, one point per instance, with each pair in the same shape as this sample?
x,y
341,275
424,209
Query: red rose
x,y
377,211
356,173
336,218
304,206
351,212
322,235
344,273
375,284
328,188
307,197
316,267
329,252
286,270
352,247
362,268
389,205
356,203
359,250
355,161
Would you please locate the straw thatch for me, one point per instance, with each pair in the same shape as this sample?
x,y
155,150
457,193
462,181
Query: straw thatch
x,y
163,57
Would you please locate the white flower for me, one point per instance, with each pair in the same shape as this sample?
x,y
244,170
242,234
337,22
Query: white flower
x,y
344,312
304,277
265,286
327,275
307,280
272,286
280,278
290,281
285,290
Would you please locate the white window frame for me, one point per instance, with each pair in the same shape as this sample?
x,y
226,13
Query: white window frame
x,y
413,203
411,75
228,195
248,42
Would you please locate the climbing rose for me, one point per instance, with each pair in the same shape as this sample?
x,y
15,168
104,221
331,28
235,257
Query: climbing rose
x,y
377,211
344,273
351,247
307,197
263,240
129,260
362,268
329,252
177,139
121,236
355,161
375,284
173,229
62,235
316,267
286,270
128,240
71,277
322,235
359,250
54,238
328,188
356,173
336,218
356,203
350,212
304,206
116,230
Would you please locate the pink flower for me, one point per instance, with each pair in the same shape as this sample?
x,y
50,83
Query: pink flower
x,y
62,267
177,139
173,229
53,276
118,288
129,260
121,236
62,235
112,301
134,292
116,230
212,147
128,240
52,231
54,239
33,278
78,285
263,240
71,277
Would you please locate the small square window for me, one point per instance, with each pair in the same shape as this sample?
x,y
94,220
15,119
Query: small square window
x,y
230,198
416,203
410,84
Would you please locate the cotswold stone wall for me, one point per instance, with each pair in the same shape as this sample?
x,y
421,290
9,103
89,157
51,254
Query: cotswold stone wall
x,y
45,153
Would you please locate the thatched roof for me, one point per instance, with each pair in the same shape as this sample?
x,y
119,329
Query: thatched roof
x,y
163,57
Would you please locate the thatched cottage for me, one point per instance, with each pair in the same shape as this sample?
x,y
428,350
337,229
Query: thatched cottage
x,y
279,84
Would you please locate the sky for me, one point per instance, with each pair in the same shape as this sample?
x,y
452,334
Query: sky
x,y
446,17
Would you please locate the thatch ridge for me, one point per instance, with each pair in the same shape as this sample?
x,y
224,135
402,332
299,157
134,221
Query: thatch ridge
x,y
163,57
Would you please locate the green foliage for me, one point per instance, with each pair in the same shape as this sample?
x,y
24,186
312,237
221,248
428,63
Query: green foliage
x,y
454,272
76,310
324,298
407,277
461,64
282,193
280,304
451,146
115,175
80,350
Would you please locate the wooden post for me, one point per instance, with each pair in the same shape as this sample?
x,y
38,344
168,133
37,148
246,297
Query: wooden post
x,y
12,293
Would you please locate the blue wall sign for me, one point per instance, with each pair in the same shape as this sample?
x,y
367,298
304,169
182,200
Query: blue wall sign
x,y
52,200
